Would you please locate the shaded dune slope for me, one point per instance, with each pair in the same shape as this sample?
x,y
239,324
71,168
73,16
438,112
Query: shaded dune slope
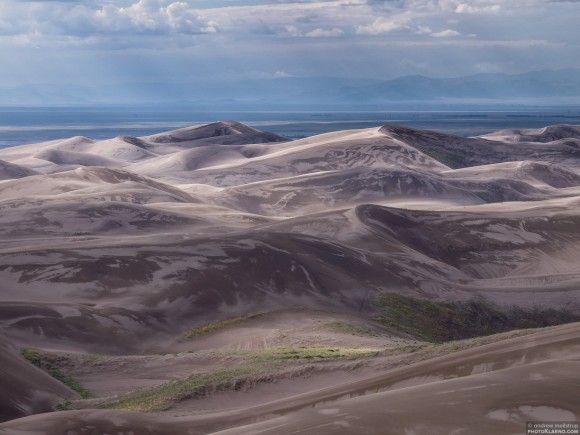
x,y
25,389
550,133
458,152
10,171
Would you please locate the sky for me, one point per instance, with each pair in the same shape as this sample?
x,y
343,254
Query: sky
x,y
51,44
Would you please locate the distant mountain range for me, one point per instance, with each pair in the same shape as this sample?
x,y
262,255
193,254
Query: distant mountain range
x,y
540,87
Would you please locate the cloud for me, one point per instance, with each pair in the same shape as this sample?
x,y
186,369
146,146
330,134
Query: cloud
x,y
143,16
383,25
302,36
314,33
423,30
466,8
98,20
454,6
448,33
325,33
83,19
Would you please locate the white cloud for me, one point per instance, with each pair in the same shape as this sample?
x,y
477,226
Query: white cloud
x,y
281,74
448,33
383,25
423,30
158,24
464,8
98,18
314,33
325,33
145,16
471,6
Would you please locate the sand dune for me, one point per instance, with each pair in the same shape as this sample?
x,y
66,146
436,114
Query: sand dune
x,y
498,396
539,174
238,266
459,152
78,180
343,188
487,389
551,133
81,151
24,388
227,132
10,171
182,163
234,165
121,149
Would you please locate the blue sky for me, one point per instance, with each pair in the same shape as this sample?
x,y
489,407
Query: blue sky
x,y
81,42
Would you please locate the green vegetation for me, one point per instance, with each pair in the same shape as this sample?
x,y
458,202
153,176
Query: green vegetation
x,y
267,363
349,328
272,363
313,352
161,398
65,405
445,321
32,356
44,362
216,326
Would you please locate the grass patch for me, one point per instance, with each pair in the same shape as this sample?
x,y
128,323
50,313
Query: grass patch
x,y
263,364
162,397
42,361
350,329
445,321
216,326
65,405
314,352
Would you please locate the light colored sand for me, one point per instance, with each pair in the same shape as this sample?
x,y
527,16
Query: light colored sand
x,y
119,246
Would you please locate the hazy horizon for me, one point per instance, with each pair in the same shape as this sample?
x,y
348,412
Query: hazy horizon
x,y
413,92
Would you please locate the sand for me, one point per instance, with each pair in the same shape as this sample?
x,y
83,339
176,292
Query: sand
x,y
117,248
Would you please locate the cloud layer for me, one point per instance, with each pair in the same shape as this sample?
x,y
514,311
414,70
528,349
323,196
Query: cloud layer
x,y
101,19
41,40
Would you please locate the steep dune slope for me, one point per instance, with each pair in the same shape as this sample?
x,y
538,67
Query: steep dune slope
x,y
25,389
540,174
551,133
224,132
484,245
9,171
458,152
